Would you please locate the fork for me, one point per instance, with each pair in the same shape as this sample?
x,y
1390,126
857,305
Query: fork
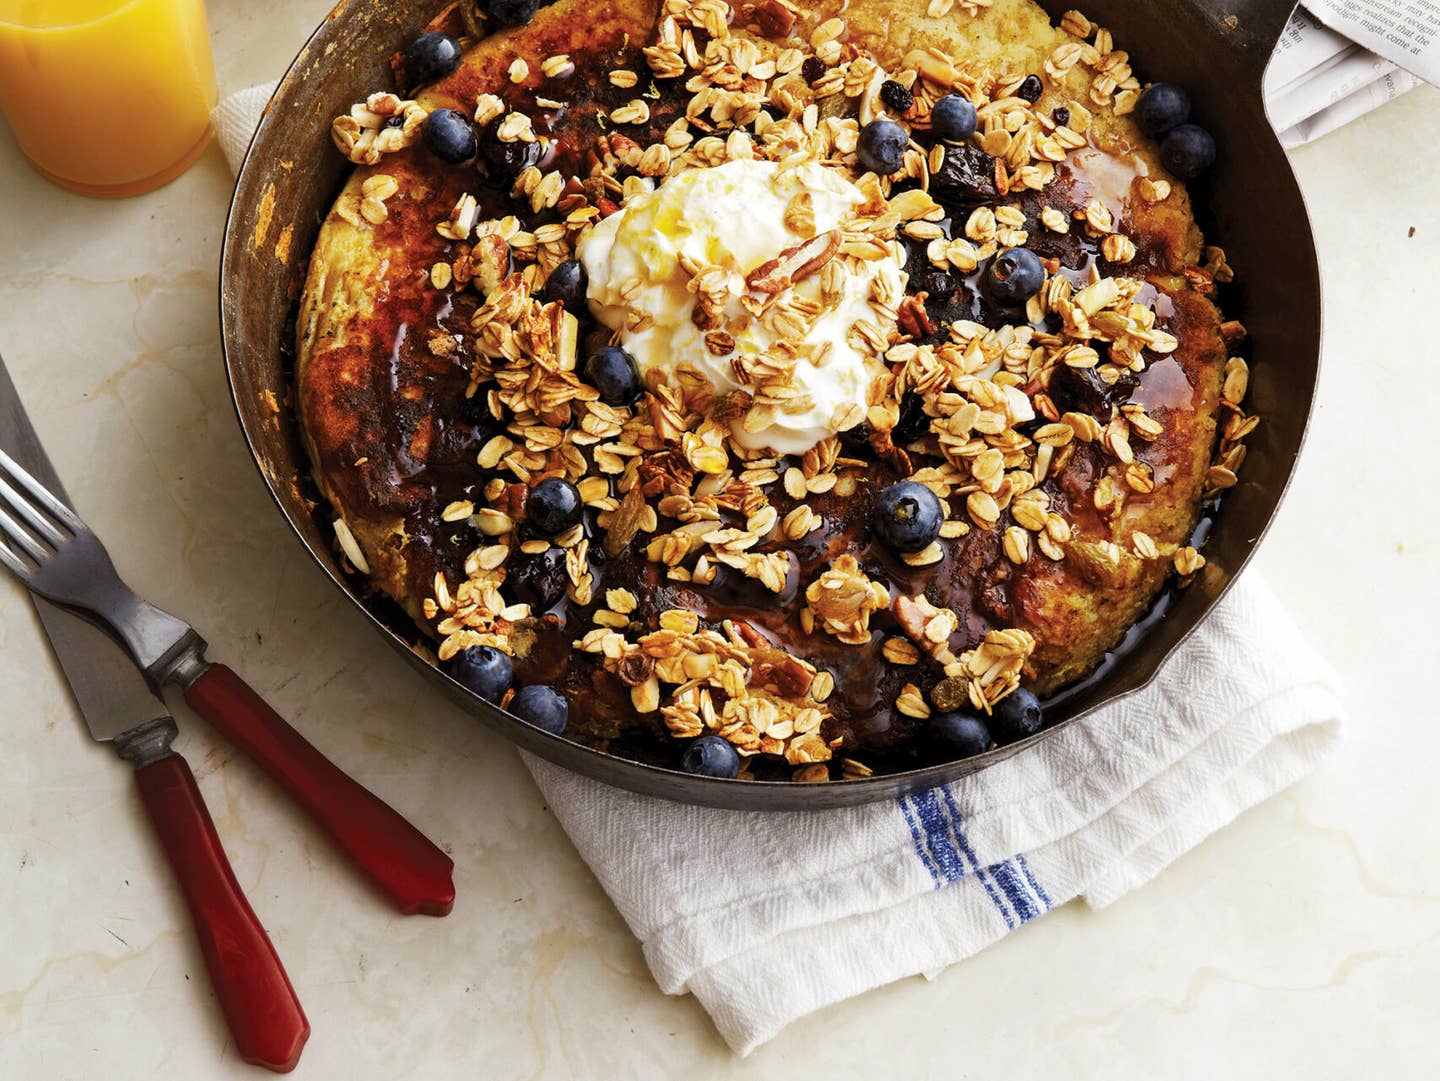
x,y
48,547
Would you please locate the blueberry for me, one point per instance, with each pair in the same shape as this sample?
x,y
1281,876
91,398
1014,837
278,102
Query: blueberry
x,y
485,670
953,118
882,147
1188,151
510,12
611,371
1016,275
1161,107
1031,89
568,284
448,136
431,56
505,161
711,756
963,733
553,506
896,98
908,516
1016,716
542,707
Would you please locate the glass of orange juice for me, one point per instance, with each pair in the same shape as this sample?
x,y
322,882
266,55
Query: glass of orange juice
x,y
107,97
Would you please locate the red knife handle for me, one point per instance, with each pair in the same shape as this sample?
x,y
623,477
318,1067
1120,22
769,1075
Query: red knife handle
x,y
260,1006
396,856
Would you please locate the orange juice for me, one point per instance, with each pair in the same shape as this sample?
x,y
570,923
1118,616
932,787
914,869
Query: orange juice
x,y
107,97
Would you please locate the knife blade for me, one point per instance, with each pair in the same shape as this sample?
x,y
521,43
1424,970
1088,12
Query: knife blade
x,y
112,694
118,706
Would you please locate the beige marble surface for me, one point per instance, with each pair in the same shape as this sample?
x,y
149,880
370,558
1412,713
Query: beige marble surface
x,y
1303,941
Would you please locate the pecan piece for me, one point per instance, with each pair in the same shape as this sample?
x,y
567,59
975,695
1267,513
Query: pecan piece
x,y
719,343
793,264
625,149
913,318
738,628
1200,279
911,616
511,501
775,668
774,19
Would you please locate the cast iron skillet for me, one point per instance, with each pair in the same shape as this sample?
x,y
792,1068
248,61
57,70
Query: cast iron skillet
x,y
1251,204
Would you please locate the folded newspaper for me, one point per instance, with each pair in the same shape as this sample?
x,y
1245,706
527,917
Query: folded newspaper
x,y
1339,59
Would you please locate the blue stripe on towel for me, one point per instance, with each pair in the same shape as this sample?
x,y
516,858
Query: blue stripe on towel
x,y
919,841
951,823
1035,885
1022,895
1016,892
942,847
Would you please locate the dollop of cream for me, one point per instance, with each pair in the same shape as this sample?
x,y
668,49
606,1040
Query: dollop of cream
x,y
733,217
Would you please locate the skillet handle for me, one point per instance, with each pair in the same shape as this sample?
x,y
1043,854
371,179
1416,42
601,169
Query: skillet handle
x,y
1252,27
392,853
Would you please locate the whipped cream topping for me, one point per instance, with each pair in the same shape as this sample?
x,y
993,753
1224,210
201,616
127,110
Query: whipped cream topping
x,y
640,262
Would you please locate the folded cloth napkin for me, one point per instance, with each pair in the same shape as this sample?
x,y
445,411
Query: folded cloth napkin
x,y
766,917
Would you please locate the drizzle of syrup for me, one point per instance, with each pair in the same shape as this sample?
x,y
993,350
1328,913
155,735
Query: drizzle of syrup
x,y
1107,177
1163,385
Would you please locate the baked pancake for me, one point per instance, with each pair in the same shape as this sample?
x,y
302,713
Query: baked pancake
x,y
805,330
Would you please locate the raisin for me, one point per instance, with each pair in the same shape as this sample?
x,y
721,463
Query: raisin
x,y
1062,116
812,69
937,283
896,98
913,422
1082,390
538,580
966,178
1030,89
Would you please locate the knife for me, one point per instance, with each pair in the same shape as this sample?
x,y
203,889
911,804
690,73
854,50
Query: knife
x,y
260,1006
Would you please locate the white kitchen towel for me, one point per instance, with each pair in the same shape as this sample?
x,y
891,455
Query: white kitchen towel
x,y
766,917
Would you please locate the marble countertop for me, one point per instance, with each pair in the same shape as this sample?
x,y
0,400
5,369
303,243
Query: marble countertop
x,y
1303,940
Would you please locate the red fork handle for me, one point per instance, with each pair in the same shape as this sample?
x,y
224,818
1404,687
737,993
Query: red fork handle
x,y
396,856
259,1004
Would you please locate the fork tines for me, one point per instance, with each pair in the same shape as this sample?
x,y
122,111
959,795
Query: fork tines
x,y
48,523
